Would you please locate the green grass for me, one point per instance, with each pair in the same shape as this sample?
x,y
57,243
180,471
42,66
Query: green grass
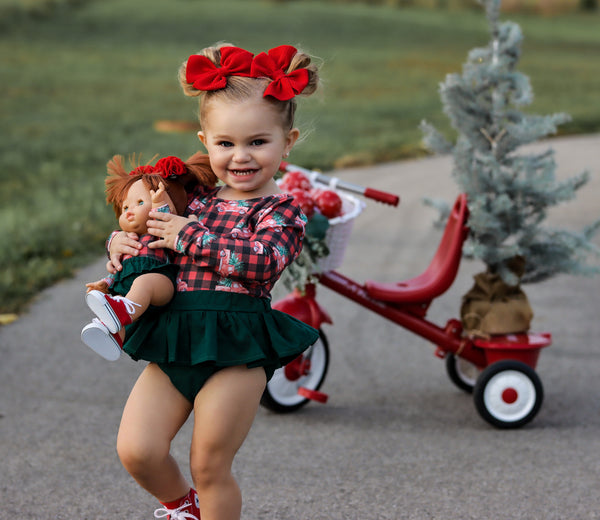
x,y
85,80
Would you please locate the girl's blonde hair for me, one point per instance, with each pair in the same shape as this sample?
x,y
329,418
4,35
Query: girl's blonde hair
x,y
240,88
119,180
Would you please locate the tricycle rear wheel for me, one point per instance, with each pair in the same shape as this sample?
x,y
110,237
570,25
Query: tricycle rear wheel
x,y
508,394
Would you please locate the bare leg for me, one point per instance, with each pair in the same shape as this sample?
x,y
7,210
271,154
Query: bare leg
x,y
223,414
154,413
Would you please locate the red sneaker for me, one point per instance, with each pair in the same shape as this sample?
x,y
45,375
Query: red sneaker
x,y
186,508
114,311
96,336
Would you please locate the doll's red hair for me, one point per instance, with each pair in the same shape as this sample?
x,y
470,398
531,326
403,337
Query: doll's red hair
x,y
119,180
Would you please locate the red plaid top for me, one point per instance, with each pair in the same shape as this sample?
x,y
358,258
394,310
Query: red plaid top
x,y
238,245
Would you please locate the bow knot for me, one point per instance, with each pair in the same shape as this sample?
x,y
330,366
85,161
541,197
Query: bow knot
x,y
203,74
273,65
175,514
170,167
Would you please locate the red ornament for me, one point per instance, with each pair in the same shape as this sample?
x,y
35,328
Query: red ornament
x,y
305,201
295,179
329,203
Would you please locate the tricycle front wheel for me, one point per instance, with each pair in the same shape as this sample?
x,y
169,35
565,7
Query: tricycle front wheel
x,y
508,394
307,371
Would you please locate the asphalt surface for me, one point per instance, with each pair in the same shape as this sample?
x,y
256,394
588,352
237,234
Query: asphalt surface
x,y
397,440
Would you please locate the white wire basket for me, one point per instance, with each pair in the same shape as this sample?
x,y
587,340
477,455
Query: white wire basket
x,y
339,231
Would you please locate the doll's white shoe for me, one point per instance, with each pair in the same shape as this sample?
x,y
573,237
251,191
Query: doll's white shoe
x,y
96,336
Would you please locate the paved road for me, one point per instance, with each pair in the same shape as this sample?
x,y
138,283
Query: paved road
x,y
396,441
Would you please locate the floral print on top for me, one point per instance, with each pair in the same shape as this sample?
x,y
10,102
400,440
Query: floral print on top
x,y
238,246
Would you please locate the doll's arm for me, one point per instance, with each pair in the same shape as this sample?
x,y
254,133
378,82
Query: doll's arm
x,y
100,285
161,200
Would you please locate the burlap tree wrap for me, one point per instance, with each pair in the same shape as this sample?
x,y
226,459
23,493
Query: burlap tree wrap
x,y
493,307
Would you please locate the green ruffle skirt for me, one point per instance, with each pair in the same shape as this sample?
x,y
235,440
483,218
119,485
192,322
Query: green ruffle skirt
x,y
218,328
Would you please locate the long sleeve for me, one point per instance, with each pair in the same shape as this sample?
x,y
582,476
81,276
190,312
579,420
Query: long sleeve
x,y
253,253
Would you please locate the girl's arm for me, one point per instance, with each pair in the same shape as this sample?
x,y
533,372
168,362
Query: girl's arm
x,y
259,256
166,227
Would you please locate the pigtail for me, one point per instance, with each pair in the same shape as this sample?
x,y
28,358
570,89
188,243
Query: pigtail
x,y
116,183
115,167
301,60
188,88
213,54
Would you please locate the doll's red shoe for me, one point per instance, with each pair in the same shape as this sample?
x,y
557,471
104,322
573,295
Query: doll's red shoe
x,y
186,508
114,311
96,336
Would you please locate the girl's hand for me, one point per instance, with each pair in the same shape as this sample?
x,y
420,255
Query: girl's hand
x,y
122,244
111,268
166,227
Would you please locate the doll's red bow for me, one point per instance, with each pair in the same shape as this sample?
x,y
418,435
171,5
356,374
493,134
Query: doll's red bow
x,y
273,65
203,74
144,169
170,167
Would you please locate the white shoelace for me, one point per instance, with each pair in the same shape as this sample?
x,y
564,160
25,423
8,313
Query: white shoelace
x,y
129,305
175,514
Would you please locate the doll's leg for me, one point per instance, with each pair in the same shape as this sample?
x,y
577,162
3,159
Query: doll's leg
x,y
223,413
116,312
154,413
150,289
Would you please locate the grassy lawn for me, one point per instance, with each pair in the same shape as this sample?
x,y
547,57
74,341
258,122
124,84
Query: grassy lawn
x,y
86,80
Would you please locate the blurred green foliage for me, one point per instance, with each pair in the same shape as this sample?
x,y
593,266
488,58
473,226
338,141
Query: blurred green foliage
x,y
83,80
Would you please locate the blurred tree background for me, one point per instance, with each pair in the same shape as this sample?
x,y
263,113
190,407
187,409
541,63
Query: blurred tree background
x,y
82,80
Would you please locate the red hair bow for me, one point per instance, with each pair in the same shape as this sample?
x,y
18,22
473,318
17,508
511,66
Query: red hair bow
x,y
273,65
203,74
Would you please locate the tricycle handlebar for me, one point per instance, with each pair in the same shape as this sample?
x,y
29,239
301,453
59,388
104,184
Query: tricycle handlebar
x,y
334,182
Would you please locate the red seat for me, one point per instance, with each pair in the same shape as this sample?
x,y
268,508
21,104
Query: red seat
x,y
440,274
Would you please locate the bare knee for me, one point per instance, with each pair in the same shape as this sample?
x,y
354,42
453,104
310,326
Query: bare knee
x,y
209,467
139,456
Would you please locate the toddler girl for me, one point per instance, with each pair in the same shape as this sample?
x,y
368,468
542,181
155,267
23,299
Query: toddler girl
x,y
214,347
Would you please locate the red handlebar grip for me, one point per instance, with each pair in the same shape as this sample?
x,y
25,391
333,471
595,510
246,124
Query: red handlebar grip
x,y
382,196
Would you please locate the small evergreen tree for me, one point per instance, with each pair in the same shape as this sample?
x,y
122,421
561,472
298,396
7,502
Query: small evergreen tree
x,y
508,193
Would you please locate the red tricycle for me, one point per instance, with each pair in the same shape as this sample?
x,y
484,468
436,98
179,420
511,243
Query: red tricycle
x,y
498,371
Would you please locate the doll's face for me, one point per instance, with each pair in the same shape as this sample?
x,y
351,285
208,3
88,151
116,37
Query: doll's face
x,y
135,209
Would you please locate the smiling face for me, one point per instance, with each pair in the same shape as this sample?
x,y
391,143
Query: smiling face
x,y
135,208
245,142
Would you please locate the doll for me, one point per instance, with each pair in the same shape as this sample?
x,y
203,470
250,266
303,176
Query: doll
x,y
146,279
